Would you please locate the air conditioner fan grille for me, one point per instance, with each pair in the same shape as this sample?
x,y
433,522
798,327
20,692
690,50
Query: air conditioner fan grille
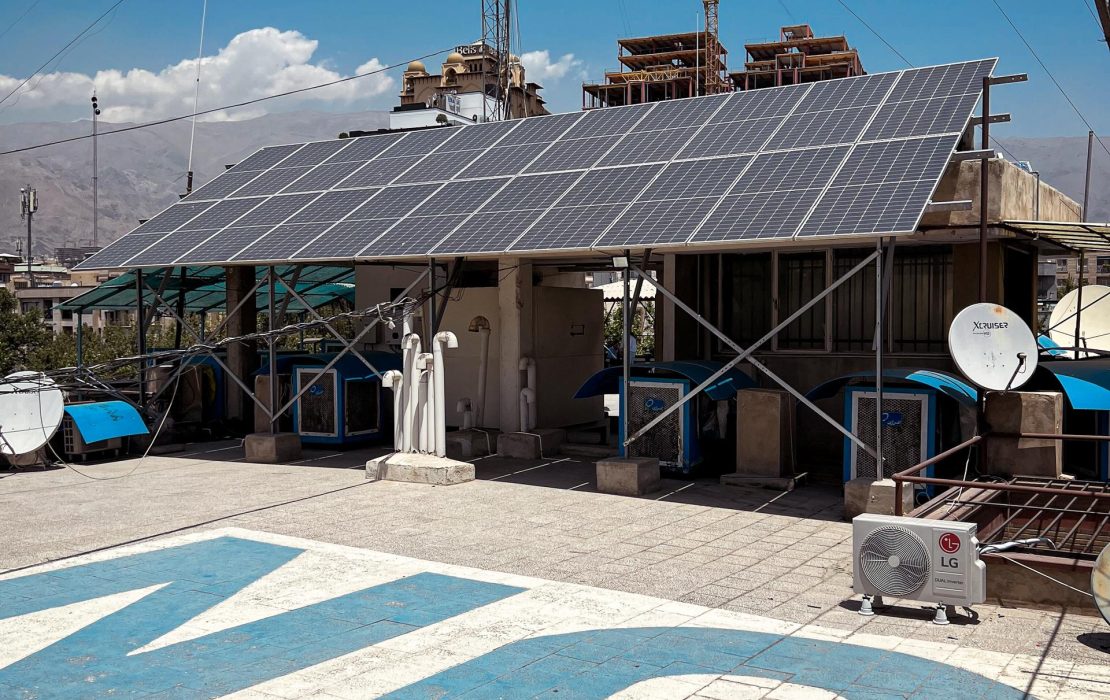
x,y
894,560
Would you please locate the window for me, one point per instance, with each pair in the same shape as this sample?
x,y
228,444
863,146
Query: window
x,y
920,304
746,297
801,278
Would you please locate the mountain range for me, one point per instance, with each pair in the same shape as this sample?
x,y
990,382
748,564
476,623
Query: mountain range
x,y
143,171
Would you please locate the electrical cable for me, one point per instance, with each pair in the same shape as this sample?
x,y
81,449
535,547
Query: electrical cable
x,y
59,52
245,103
1051,77
20,18
1041,573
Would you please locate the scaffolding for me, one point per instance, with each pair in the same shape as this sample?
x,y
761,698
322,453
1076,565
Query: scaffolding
x,y
662,67
797,57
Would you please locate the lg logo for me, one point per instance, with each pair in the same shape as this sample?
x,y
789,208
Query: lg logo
x,y
950,544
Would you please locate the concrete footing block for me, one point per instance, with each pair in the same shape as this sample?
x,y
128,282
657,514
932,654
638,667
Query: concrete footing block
x,y
628,476
535,444
467,444
865,495
419,469
272,448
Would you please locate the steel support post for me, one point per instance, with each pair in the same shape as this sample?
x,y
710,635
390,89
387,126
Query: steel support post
x,y
140,337
271,346
1079,302
879,359
984,190
626,359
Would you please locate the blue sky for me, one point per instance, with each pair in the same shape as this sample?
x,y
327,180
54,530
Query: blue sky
x,y
322,39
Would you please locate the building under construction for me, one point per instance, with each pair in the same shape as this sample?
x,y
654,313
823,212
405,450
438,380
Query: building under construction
x,y
797,57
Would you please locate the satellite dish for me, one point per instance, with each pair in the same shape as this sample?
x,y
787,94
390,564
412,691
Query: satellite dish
x,y
992,346
1094,320
1100,582
31,408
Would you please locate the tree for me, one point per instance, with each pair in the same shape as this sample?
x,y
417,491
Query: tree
x,y
21,334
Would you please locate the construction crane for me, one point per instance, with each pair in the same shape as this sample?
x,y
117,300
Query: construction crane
x,y
714,64
497,35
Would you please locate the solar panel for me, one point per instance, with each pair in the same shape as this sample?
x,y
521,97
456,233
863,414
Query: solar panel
x,y
380,171
566,228
821,128
394,202
313,153
173,247
364,148
757,215
282,241
414,235
920,117
649,146
618,185
323,177
223,185
531,192
224,245
657,222
487,232
503,160
578,154
270,182
439,166
173,217
332,206
696,178
343,240
732,138
276,209
854,156
266,158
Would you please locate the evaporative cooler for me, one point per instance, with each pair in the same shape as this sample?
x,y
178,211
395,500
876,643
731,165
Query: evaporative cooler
x,y
910,429
674,440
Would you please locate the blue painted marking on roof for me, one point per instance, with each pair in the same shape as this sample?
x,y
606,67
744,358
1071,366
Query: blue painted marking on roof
x,y
1050,346
597,664
94,661
105,420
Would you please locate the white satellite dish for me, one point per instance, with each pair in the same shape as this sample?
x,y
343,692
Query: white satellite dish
x,y
1094,320
992,346
1100,582
31,409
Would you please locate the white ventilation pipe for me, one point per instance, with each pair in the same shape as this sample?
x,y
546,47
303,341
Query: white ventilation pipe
x,y
527,409
463,407
528,365
439,424
394,380
422,434
410,345
480,325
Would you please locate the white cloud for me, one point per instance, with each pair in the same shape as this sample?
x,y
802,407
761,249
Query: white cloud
x,y
254,64
538,65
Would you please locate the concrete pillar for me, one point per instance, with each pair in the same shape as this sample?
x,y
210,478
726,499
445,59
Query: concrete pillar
x,y
514,304
242,358
1026,412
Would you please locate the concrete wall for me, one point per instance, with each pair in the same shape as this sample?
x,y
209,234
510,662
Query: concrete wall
x,y
1011,196
568,339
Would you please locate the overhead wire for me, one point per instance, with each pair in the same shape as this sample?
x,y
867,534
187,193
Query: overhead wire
x,y
881,38
20,18
61,50
236,105
1051,76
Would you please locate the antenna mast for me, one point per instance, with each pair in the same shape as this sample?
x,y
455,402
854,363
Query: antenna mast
x,y
196,101
497,35
714,63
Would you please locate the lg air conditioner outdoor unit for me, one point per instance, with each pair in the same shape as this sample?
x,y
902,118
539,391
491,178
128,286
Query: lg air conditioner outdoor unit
x,y
935,561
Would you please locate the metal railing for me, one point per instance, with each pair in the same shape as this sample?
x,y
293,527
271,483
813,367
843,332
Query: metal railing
x,y
913,474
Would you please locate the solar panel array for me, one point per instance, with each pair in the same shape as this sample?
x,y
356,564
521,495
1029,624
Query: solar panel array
x,y
855,156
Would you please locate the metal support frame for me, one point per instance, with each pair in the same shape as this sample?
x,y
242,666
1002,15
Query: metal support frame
x,y
626,347
347,348
140,337
742,354
271,347
879,314
984,189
